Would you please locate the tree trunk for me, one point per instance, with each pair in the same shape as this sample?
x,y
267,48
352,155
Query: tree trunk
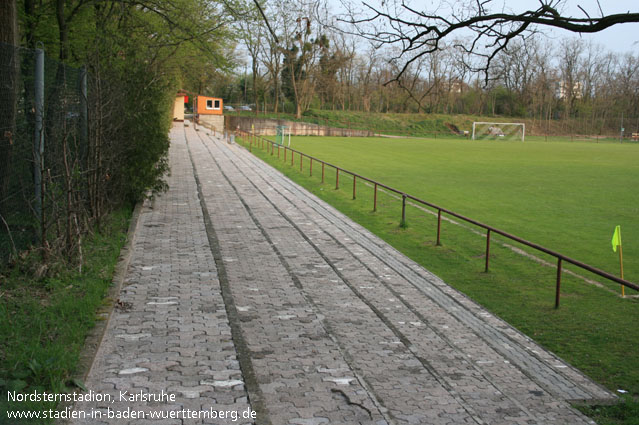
x,y
62,29
9,65
255,86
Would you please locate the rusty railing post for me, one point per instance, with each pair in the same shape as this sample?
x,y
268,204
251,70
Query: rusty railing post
x,y
285,149
311,166
336,178
292,158
487,249
439,227
323,171
375,198
403,222
354,186
278,151
301,161
558,290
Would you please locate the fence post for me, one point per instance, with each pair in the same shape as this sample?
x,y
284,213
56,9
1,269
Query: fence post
x,y
336,178
84,109
285,149
278,151
292,157
301,161
487,249
558,290
354,186
323,171
311,166
375,198
403,222
439,226
38,141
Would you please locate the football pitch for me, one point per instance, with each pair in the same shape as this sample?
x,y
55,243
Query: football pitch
x,y
566,196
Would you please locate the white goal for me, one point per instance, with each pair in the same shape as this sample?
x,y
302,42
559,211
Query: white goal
x,y
499,131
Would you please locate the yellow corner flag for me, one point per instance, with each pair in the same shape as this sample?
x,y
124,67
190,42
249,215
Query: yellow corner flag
x,y
616,238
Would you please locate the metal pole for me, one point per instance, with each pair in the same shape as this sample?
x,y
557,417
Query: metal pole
x,y
375,198
292,157
487,249
84,109
285,149
354,185
337,178
558,291
439,226
323,172
38,141
301,161
311,167
403,222
623,288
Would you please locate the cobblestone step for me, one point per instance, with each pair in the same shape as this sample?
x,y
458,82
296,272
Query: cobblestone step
x,y
494,389
245,293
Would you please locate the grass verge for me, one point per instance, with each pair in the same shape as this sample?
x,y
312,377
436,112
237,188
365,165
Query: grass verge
x,y
593,329
44,322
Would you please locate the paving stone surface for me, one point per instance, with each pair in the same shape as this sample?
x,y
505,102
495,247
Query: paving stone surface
x,y
246,292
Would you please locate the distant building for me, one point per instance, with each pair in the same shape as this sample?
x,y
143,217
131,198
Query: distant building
x,y
457,86
563,90
210,112
209,105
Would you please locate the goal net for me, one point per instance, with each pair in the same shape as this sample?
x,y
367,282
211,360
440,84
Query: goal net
x,y
498,131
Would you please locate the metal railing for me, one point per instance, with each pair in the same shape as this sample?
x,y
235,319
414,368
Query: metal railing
x,y
263,143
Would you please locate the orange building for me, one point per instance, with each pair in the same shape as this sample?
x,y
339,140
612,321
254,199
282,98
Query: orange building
x,y
209,105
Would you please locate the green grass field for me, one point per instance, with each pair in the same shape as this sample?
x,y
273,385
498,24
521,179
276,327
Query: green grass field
x,y
567,196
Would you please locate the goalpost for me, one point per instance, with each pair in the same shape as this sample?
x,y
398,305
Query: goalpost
x,y
280,137
499,131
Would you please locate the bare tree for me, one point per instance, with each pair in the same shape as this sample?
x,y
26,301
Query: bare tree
x,y
251,33
303,43
570,85
271,57
421,30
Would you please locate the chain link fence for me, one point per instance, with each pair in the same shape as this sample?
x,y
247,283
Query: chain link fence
x,y
43,152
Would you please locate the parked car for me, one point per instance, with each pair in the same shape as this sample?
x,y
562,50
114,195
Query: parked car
x,y
245,108
229,108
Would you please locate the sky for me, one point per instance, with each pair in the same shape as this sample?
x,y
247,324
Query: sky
x,y
620,38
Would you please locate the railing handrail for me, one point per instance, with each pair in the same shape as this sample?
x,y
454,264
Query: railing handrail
x,y
487,227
